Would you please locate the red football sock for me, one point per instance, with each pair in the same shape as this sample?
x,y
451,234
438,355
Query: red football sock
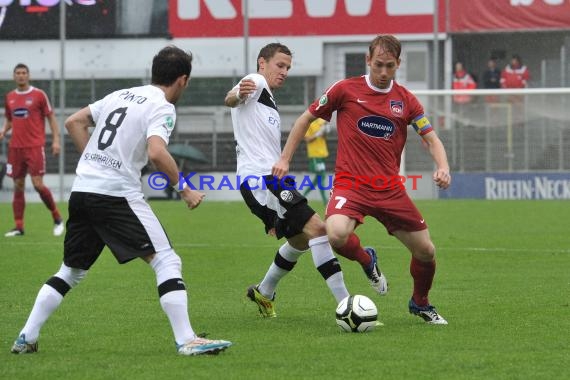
x,y
423,274
47,198
18,206
352,250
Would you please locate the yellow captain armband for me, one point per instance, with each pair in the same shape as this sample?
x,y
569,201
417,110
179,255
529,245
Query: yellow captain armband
x,y
422,125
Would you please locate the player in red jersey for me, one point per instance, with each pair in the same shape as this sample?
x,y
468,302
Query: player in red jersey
x,y
26,108
373,113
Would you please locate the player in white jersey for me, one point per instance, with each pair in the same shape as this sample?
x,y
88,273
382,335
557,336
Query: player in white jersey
x,y
107,208
257,130
283,210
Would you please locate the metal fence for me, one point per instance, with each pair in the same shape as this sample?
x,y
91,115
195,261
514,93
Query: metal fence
x,y
502,130
495,131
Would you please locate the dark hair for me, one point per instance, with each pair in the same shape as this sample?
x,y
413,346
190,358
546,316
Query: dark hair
x,y
21,66
169,64
390,44
268,51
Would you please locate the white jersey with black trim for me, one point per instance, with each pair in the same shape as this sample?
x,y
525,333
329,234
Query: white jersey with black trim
x,y
112,161
257,131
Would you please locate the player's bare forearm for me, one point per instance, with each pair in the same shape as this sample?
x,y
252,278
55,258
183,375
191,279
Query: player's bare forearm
x,y
161,159
441,176
238,95
54,126
298,132
232,99
439,156
77,125
164,162
5,129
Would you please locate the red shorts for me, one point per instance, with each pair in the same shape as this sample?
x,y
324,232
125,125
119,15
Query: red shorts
x,y
22,161
393,208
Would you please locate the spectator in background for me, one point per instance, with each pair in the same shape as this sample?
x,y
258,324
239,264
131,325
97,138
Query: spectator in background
x,y
317,151
462,80
492,79
26,109
492,75
516,75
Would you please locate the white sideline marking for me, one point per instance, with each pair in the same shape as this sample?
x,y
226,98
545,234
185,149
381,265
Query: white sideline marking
x,y
381,247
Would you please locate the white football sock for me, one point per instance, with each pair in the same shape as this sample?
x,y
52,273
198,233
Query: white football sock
x,y
47,301
175,305
168,267
275,273
322,254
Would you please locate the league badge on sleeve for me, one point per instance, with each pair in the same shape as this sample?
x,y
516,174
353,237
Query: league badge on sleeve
x,y
169,122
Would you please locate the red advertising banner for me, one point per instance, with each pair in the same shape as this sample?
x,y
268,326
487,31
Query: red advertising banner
x,y
224,18
506,15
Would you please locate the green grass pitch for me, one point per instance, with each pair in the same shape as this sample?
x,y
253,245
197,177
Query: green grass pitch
x,y
502,282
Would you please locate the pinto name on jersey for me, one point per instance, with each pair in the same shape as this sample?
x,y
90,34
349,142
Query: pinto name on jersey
x,y
132,97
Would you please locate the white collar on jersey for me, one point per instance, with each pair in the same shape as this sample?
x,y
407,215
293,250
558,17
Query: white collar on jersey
x,y
25,92
385,90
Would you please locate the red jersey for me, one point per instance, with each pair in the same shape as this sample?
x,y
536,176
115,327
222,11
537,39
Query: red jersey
x,y
27,111
514,77
463,81
372,125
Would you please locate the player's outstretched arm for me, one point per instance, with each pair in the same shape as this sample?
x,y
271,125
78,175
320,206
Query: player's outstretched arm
x,y
300,127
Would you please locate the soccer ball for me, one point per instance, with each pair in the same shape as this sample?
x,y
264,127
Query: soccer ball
x,y
356,314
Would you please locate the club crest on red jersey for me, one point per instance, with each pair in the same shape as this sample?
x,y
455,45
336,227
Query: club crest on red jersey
x,y
397,107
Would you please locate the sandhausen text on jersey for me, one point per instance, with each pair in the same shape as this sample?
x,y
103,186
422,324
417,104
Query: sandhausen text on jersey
x,y
102,159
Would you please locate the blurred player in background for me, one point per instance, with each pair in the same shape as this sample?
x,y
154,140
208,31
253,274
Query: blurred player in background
x,y
373,114
317,151
282,209
107,206
26,109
